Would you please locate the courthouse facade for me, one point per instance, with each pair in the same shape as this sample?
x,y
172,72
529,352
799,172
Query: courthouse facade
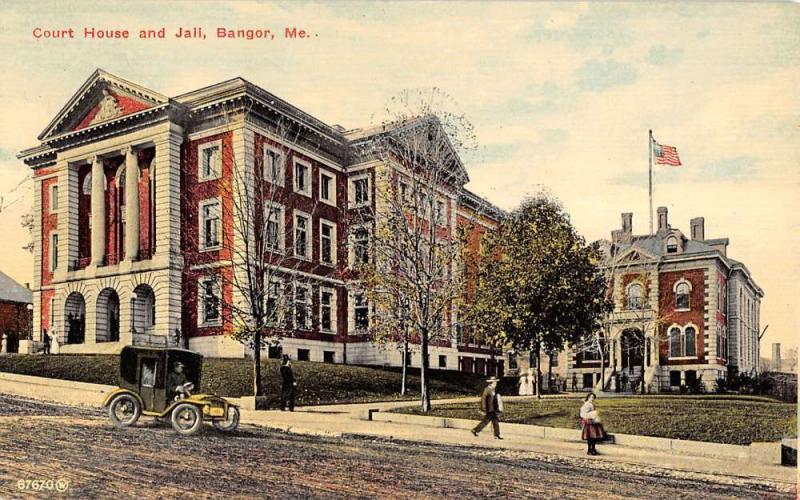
x,y
134,213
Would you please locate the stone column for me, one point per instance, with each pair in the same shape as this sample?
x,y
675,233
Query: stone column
x,y
131,204
98,212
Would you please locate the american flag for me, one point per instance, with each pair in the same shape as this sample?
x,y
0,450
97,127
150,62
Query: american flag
x,y
666,155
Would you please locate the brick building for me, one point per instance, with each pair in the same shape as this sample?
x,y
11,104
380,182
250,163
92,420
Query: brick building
x,y
134,190
15,315
682,307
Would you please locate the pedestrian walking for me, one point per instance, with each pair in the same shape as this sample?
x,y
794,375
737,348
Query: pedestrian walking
x,y
46,341
492,408
288,384
592,427
55,345
574,382
525,383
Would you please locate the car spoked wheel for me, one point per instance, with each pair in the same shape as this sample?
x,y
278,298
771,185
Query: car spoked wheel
x,y
124,410
186,419
231,421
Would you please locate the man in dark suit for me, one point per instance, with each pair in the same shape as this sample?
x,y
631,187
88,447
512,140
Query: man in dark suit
x,y
287,384
492,407
46,340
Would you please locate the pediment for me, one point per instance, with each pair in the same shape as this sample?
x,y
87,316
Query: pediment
x,y
634,256
102,98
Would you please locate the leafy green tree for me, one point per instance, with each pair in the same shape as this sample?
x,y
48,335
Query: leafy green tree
x,y
542,287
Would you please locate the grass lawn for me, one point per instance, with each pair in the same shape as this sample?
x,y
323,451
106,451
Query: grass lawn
x,y
317,383
720,419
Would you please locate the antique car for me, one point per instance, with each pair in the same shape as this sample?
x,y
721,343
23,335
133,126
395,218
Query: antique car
x,y
158,382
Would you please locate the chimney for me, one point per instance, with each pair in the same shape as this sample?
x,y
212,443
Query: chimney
x,y
776,356
663,224
28,286
698,228
627,222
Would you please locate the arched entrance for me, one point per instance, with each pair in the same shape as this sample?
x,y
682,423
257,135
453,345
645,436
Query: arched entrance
x,y
74,319
108,316
143,309
632,344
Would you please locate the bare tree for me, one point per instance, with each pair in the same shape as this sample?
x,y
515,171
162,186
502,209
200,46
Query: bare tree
x,y
259,269
409,275
26,221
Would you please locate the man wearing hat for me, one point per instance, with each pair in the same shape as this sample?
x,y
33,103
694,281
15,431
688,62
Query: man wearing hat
x,y
288,384
492,408
176,380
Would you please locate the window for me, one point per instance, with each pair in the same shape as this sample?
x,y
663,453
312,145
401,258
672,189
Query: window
x,y
272,307
209,302
327,310
361,246
328,356
274,228
54,198
683,342
675,378
273,166
674,342
360,312
588,381
302,307
148,373
635,296
54,252
682,295
672,244
403,192
553,359
52,313
301,223
359,190
302,177
327,187
442,361
209,160
512,361
690,341
440,217
210,214
327,242
303,355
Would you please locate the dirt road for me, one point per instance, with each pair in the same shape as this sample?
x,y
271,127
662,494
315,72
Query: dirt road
x,y
78,451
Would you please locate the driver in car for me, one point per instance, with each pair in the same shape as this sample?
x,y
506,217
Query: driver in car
x,y
177,382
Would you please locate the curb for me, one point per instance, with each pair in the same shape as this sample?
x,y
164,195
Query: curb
x,y
761,453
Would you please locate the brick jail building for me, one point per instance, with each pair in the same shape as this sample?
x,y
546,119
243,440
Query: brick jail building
x,y
133,216
681,305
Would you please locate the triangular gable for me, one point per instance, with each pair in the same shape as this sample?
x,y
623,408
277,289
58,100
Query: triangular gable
x,y
633,255
103,97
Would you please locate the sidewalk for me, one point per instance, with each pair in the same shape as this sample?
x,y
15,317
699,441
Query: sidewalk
x,y
345,420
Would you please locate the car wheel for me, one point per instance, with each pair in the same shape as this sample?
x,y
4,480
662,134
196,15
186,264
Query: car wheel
x,y
231,421
186,419
124,410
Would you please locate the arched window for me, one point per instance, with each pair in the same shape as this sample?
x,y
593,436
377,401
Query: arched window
x,y
86,189
672,244
635,296
690,341
682,296
674,342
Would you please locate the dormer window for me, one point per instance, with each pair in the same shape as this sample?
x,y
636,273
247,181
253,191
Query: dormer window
x,y
672,244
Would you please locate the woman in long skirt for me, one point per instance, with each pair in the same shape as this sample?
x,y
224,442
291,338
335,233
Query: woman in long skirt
x,y
592,428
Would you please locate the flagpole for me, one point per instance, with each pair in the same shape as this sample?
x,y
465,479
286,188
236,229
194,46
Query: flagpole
x,y
650,177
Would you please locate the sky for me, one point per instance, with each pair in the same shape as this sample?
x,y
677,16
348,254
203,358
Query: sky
x,y
561,96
